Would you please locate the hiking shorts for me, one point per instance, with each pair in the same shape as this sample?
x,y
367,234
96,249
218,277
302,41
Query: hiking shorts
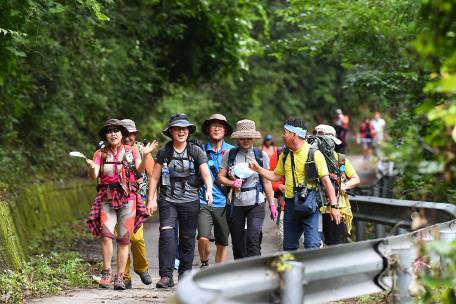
x,y
210,217
368,142
123,217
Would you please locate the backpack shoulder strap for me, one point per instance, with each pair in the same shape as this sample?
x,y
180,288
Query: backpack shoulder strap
x,y
232,157
285,153
169,152
310,156
258,155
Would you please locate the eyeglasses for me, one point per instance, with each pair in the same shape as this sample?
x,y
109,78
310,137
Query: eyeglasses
x,y
180,129
112,130
244,139
217,126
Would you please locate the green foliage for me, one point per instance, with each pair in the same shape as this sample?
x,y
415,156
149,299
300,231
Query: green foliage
x,y
382,297
44,275
281,259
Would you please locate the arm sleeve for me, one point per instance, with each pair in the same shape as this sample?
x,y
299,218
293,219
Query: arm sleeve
x,y
97,158
225,159
200,156
265,160
320,161
349,170
150,164
160,156
280,169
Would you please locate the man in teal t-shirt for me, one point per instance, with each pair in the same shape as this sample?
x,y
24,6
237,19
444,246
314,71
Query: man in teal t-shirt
x,y
216,127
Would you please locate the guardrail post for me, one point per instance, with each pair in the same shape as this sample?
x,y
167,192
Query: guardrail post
x,y
400,231
448,236
380,231
293,290
405,275
360,230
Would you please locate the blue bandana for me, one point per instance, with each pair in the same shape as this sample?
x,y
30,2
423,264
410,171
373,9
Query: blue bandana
x,y
299,131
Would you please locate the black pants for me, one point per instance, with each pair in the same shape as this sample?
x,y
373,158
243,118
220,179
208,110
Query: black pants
x,y
331,230
246,245
187,215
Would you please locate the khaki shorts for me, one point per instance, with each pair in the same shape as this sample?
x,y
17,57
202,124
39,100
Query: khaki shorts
x,y
123,217
208,218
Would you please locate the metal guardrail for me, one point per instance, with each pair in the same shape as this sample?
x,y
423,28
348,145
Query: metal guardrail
x,y
367,267
394,212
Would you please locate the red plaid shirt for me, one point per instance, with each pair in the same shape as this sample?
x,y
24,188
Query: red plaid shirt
x,y
119,199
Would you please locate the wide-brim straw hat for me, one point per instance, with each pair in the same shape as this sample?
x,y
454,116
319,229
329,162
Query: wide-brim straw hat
x,y
246,129
179,120
130,125
112,123
220,117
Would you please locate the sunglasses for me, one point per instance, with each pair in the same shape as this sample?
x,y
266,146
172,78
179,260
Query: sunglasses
x,y
244,139
180,129
112,130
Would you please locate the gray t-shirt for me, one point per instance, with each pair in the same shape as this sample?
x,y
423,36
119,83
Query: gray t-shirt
x,y
247,198
180,167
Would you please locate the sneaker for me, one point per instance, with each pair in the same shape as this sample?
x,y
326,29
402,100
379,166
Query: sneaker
x,y
127,284
205,265
165,282
106,278
119,282
145,277
176,264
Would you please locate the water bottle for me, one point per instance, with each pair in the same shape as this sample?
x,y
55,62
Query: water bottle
x,y
165,175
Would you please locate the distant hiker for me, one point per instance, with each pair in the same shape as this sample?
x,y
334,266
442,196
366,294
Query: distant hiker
x,y
279,191
216,127
137,245
366,135
301,213
379,127
180,169
348,180
342,121
245,201
118,201
268,146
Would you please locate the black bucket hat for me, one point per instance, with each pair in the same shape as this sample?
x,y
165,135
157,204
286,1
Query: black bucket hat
x,y
112,123
220,117
179,120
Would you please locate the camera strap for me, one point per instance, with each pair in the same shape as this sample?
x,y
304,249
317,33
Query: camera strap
x,y
294,173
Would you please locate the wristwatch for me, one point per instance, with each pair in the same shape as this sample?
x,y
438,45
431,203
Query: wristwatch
x,y
336,206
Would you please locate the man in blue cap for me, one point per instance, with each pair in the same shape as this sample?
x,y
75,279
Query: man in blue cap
x,y
216,127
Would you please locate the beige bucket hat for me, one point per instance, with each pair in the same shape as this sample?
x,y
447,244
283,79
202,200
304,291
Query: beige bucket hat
x,y
246,129
328,131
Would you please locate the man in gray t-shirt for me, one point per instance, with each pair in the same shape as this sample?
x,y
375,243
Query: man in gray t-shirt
x,y
179,166
247,198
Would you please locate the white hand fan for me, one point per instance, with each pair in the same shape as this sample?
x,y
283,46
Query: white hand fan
x,y
77,154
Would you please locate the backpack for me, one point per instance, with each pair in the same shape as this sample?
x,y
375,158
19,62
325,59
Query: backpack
x,y
279,151
194,179
144,186
259,186
326,146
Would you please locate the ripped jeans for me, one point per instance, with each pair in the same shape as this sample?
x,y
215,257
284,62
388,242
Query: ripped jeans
x,y
246,245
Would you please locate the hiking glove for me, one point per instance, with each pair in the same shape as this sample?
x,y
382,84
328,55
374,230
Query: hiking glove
x,y
273,212
237,183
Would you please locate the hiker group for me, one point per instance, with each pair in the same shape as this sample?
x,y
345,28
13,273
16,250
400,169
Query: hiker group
x,y
206,192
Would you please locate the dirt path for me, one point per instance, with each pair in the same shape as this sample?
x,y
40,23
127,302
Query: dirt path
x,y
141,293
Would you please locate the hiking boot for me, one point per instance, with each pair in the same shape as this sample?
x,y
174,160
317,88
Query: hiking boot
x,y
127,284
205,265
119,282
165,282
106,278
145,277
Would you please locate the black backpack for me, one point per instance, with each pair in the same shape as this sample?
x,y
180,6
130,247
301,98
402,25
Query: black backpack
x,y
194,179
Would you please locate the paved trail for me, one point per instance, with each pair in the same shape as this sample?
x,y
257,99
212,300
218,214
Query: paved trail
x,y
141,293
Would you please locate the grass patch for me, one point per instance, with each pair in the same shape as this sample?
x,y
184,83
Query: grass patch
x,y
381,297
54,266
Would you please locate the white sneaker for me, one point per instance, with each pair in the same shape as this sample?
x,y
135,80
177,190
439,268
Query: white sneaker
x,y
176,264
